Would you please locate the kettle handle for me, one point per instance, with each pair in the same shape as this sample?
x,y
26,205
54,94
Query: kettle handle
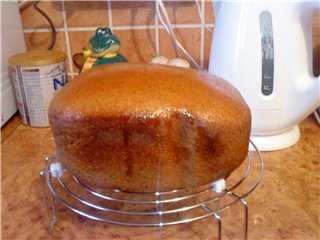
x,y
307,11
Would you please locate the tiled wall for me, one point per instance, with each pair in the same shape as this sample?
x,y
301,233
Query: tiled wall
x,y
133,22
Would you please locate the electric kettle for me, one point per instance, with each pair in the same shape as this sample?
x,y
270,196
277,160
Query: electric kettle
x,y
265,50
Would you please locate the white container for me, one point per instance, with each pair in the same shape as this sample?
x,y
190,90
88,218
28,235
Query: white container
x,y
12,42
37,76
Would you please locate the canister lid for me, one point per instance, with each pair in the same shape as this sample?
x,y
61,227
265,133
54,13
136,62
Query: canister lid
x,y
37,58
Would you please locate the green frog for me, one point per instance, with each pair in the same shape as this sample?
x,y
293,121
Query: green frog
x,y
103,49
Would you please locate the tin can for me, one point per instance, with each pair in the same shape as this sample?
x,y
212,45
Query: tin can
x,y
37,76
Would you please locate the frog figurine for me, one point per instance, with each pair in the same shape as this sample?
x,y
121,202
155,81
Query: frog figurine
x,y
103,48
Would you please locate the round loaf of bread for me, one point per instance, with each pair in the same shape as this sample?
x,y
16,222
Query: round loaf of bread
x,y
146,128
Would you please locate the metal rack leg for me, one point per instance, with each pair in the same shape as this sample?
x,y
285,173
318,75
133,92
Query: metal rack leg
x,y
246,212
245,204
217,217
50,209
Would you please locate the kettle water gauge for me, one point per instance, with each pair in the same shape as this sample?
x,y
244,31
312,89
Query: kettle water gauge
x,y
267,53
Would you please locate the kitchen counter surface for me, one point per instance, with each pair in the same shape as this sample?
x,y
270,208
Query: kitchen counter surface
x,y
285,205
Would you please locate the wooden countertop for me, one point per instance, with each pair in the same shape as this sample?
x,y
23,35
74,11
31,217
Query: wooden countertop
x,y
286,204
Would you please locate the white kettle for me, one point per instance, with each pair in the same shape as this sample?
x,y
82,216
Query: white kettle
x,y
265,50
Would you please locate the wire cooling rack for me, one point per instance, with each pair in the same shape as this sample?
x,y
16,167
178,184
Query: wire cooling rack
x,y
157,209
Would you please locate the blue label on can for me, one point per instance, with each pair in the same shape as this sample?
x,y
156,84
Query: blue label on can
x,y
57,82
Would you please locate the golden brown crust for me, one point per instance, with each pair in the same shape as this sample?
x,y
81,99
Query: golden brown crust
x,y
141,127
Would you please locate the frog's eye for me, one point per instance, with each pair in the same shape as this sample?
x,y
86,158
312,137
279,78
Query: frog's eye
x,y
99,31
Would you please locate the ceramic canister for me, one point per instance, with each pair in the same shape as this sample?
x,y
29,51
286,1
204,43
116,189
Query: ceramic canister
x,y
37,76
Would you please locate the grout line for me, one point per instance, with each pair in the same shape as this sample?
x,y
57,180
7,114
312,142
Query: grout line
x,y
14,128
137,27
202,35
67,37
188,25
35,30
110,15
81,29
157,30
12,131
